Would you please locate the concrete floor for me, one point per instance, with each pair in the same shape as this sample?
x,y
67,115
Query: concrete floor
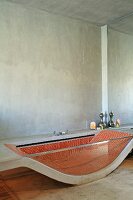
x,y
25,184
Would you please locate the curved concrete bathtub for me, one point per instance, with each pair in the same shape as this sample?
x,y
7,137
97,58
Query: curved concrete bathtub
x,y
75,160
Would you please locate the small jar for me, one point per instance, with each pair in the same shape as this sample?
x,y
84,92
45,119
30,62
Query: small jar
x,y
93,125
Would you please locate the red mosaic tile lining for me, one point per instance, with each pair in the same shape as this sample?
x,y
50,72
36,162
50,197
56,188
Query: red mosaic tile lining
x,y
85,160
55,145
82,160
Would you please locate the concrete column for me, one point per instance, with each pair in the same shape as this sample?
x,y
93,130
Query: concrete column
x,y
104,55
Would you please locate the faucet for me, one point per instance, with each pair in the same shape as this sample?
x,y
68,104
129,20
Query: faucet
x,y
60,133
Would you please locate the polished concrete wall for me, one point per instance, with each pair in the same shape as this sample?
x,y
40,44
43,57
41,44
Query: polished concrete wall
x,y
50,72
120,75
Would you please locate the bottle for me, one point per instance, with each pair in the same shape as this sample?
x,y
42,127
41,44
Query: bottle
x,y
111,123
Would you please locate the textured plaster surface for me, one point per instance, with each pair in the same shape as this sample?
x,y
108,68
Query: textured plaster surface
x,y
120,75
50,72
100,12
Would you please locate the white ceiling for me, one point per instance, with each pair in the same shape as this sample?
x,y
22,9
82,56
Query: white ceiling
x,y
118,14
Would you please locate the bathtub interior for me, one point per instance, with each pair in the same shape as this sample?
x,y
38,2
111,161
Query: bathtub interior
x,y
77,156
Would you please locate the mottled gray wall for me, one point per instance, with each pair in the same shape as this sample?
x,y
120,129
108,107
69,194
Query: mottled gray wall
x,y
50,72
120,75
